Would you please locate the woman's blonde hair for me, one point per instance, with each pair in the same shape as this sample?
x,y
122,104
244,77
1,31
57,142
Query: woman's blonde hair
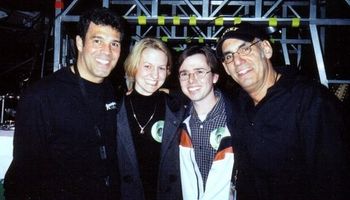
x,y
134,57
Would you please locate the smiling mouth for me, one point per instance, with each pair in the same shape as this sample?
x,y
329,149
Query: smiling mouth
x,y
243,72
102,61
152,83
191,89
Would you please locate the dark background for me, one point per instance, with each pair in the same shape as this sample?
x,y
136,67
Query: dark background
x,y
26,44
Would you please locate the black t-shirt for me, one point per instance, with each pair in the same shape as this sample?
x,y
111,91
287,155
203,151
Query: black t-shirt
x,y
147,144
57,152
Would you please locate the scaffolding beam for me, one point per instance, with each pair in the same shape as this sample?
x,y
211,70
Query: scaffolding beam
x,y
194,21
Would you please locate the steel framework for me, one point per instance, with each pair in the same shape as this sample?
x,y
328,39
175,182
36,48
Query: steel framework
x,y
181,22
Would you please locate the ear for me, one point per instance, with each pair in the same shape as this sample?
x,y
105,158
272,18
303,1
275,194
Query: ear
x,y
215,78
266,48
79,43
168,71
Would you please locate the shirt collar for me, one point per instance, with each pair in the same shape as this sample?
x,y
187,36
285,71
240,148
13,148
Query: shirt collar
x,y
216,111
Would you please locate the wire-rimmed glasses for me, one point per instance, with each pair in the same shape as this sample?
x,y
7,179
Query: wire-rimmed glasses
x,y
198,74
243,51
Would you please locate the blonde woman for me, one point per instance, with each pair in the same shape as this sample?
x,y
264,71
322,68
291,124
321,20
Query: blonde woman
x,y
147,124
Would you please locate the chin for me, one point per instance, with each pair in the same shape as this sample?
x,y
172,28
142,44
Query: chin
x,y
149,91
103,75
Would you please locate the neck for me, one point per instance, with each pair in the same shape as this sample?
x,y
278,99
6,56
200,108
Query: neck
x,y
82,72
259,94
141,93
204,106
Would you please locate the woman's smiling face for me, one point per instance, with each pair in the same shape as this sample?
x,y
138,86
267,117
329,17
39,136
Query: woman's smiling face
x,y
151,71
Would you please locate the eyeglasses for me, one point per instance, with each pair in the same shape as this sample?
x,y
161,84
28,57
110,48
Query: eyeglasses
x,y
198,74
243,51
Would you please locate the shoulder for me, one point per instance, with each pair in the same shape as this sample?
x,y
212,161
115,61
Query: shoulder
x,y
231,104
230,99
57,78
293,81
120,103
310,94
173,100
39,88
312,89
55,85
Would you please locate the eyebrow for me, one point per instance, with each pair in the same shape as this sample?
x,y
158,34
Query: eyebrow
x,y
102,38
153,65
195,69
242,45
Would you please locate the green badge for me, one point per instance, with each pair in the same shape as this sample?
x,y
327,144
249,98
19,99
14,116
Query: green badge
x,y
157,131
216,136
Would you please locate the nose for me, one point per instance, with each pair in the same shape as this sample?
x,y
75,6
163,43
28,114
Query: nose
x,y
106,48
155,73
237,59
191,77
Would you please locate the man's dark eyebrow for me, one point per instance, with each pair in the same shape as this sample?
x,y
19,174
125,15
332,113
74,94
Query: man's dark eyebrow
x,y
96,36
100,37
195,69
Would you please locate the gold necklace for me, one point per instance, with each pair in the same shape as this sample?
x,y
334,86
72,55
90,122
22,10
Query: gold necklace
x,y
142,128
276,78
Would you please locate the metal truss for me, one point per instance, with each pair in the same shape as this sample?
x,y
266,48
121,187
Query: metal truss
x,y
184,22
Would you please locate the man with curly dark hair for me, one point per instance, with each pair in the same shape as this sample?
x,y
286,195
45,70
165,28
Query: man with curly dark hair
x,y
64,141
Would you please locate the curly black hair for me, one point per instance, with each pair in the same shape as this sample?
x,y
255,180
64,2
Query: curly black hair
x,y
100,16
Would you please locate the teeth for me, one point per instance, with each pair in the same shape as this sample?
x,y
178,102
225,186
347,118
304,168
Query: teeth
x,y
104,62
193,88
243,71
152,82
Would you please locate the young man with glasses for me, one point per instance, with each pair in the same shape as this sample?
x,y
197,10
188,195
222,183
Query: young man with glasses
x,y
289,138
206,154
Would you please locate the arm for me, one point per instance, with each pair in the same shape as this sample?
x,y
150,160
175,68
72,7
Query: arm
x,y
323,128
26,171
